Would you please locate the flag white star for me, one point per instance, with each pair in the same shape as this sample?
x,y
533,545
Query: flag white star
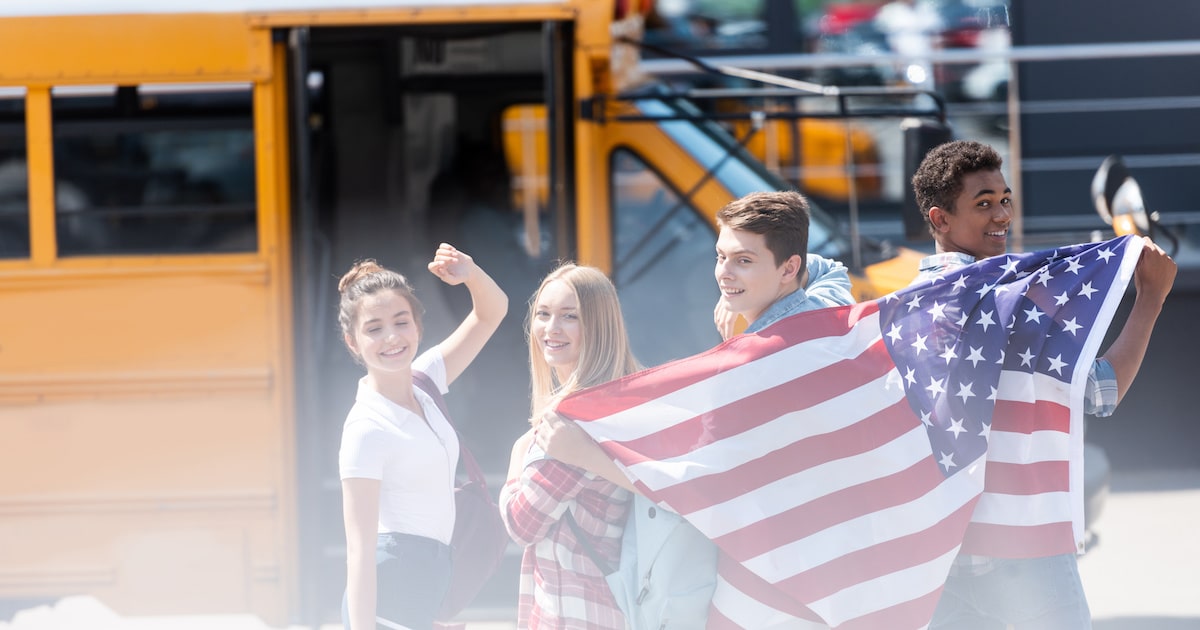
x,y
1033,315
1061,299
947,461
1073,265
1001,361
894,333
915,302
1010,265
1086,290
964,391
910,375
891,296
919,344
1105,254
949,354
960,283
976,356
992,396
983,290
1026,357
962,321
1056,364
1070,326
985,320
1044,276
986,432
956,427
937,310
935,387
926,418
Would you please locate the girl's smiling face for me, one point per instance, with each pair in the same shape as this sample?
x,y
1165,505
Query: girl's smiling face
x,y
385,335
556,329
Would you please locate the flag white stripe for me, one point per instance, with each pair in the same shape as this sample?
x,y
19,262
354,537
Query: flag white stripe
x,y
735,384
1023,510
1025,387
1027,448
869,530
749,612
826,417
886,591
785,493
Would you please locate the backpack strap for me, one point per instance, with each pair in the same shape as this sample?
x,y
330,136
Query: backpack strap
x,y
583,539
426,384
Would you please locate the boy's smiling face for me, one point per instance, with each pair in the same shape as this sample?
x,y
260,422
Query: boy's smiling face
x,y
979,222
747,275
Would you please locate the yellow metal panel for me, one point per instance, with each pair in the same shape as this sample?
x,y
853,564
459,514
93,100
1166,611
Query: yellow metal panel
x,y
131,49
39,148
274,204
431,13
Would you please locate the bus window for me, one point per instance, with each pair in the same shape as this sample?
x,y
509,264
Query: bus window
x,y
663,264
154,169
14,182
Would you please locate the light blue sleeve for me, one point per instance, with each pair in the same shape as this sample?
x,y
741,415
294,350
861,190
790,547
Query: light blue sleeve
x,y
828,281
1100,394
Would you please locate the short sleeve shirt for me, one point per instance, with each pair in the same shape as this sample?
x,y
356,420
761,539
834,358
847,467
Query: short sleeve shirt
x,y
414,460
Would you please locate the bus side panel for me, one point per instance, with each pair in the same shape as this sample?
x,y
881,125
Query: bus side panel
x,y
146,454
197,47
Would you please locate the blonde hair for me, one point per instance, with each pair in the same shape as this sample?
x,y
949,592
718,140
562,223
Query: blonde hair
x,y
368,277
604,354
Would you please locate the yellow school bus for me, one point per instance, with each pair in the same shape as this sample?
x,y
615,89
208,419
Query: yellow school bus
x,y
181,184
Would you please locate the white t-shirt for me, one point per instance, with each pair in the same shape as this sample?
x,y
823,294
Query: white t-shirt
x,y
382,440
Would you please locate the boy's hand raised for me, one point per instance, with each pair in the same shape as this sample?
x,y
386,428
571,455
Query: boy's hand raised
x,y
725,319
1155,273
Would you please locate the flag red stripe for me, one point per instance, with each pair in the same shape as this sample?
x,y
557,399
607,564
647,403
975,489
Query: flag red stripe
x,y
881,559
1011,541
757,588
860,437
1023,417
648,384
756,410
832,508
1026,479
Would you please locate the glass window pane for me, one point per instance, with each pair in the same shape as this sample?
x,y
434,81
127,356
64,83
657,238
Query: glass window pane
x,y
14,181
663,265
145,171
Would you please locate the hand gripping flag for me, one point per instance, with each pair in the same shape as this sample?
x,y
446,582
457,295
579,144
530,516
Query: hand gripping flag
x,y
840,458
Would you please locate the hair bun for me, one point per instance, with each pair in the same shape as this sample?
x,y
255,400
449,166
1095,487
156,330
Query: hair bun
x,y
360,270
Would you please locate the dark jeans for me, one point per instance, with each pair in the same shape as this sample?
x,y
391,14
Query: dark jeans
x,y
413,574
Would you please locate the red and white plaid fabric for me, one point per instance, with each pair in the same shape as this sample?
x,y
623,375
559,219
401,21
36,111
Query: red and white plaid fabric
x,y
561,587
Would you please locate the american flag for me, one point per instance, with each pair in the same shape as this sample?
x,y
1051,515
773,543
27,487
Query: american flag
x,y
840,458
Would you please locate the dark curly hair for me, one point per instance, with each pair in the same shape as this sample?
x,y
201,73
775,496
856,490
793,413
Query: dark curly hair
x,y
939,179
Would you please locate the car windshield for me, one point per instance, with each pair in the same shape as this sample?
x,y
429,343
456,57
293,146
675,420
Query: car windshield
x,y
735,168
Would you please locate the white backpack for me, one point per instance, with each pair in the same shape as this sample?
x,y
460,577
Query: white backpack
x,y
667,572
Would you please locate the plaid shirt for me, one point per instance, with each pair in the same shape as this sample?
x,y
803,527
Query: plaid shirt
x,y
561,588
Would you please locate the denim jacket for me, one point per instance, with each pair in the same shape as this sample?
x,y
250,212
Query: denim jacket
x,y
828,285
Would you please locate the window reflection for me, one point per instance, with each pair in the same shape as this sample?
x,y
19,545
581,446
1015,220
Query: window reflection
x,y
663,264
14,183
154,171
